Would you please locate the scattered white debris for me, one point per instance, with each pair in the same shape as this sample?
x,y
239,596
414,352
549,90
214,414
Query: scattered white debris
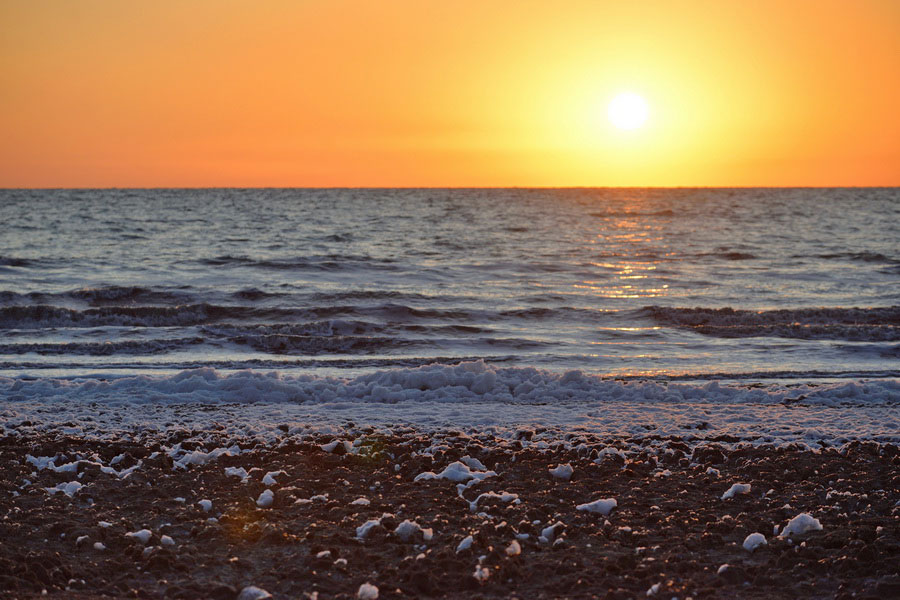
x,y
166,541
341,562
143,536
269,478
609,451
514,549
802,523
502,496
331,446
723,568
563,472
237,472
104,524
654,589
407,529
81,538
465,544
324,554
360,502
473,463
117,459
367,591
198,457
251,592
737,488
603,506
69,488
711,471
179,499
206,505
99,546
481,573
549,533
40,462
363,530
265,499
754,541
457,471
147,551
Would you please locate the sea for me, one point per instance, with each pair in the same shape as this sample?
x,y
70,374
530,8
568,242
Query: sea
x,y
740,285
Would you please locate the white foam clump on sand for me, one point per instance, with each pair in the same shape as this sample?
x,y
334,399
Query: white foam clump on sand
x,y
481,573
69,488
456,471
466,543
563,472
198,457
143,535
360,502
502,497
266,498
363,530
603,506
367,591
269,478
332,446
237,472
802,523
206,505
548,534
473,463
251,592
407,529
754,541
737,488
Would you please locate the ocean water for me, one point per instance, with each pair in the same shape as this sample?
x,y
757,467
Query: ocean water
x,y
688,284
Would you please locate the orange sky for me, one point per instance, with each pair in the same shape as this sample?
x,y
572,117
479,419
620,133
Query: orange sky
x,y
450,93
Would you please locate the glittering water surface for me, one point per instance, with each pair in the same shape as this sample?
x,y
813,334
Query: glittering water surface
x,y
681,283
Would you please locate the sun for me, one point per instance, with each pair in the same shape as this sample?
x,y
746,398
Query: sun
x,y
627,111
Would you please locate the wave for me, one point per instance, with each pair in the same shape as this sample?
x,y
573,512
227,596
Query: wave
x,y
460,383
327,262
730,255
869,257
12,261
35,316
98,296
848,324
123,347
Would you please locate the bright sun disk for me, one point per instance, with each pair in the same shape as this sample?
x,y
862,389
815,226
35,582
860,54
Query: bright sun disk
x,y
627,111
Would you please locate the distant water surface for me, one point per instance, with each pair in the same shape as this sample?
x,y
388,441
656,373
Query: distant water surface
x,y
740,284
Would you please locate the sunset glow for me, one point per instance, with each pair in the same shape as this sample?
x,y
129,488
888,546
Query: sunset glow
x,y
410,93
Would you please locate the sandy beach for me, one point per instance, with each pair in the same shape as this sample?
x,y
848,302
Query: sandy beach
x,y
447,515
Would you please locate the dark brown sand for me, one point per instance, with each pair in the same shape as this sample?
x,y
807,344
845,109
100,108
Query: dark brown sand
x,y
671,526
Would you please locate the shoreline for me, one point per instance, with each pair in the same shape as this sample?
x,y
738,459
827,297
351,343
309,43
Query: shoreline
x,y
670,527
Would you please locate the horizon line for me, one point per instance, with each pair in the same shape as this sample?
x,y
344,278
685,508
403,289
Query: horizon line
x,y
460,187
